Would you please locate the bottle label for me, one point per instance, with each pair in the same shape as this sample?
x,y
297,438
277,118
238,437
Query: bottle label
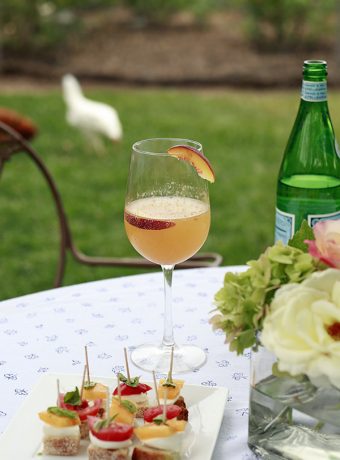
x,y
314,91
284,226
285,223
313,219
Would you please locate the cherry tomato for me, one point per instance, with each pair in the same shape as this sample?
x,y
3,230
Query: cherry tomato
x,y
172,411
114,432
127,390
84,409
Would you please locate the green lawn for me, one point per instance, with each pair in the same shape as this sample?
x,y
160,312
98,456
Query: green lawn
x,y
243,133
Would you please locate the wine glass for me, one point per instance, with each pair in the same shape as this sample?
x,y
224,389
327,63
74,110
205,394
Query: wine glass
x,y
167,220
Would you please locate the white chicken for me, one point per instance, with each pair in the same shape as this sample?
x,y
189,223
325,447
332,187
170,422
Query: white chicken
x,y
94,119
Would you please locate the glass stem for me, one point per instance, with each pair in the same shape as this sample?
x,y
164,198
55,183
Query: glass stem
x,y
168,336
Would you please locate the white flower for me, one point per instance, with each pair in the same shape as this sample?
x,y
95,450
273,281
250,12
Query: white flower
x,y
302,327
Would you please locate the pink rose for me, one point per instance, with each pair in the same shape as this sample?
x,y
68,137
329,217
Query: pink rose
x,y
326,246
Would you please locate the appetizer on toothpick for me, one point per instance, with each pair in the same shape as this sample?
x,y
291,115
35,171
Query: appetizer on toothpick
x,y
93,390
172,411
61,435
74,401
162,439
110,440
173,388
132,390
123,410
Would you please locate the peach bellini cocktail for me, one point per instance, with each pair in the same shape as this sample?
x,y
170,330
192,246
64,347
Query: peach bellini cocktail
x,y
167,220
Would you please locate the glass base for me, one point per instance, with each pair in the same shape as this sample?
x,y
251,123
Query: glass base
x,y
157,358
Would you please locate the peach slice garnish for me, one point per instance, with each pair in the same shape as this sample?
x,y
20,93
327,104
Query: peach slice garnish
x,y
196,159
147,224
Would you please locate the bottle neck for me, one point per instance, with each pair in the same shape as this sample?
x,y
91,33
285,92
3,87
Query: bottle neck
x,y
314,91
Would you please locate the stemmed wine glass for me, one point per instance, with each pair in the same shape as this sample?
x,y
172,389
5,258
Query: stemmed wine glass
x,y
167,220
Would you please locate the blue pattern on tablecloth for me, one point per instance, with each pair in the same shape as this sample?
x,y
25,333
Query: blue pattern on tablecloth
x,y
47,332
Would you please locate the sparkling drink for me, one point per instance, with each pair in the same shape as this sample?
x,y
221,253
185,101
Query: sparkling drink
x,y
167,229
167,219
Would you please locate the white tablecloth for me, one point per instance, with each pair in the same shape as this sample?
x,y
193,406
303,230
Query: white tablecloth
x,y
47,332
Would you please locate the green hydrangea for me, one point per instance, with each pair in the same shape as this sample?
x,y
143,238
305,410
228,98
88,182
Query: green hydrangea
x,y
245,297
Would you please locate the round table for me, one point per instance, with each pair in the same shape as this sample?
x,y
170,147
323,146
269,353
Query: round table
x,y
47,331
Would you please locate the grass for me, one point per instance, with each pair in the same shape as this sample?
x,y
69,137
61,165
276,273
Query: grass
x,y
243,133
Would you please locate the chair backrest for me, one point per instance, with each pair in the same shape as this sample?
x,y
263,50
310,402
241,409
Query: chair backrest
x,y
11,142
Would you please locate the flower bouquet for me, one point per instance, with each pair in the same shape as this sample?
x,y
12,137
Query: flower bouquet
x,y
286,307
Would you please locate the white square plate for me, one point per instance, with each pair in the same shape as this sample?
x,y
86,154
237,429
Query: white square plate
x,y
22,439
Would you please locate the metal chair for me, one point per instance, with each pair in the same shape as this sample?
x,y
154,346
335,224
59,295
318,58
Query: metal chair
x,y
11,142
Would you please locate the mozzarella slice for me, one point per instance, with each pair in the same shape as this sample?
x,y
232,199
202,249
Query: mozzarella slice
x,y
50,430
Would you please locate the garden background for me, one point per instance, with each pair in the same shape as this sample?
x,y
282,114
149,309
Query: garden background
x,y
224,72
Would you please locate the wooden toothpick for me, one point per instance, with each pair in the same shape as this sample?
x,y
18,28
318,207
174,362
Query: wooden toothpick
x,y
107,403
164,406
119,390
155,386
171,364
58,390
83,382
127,364
87,365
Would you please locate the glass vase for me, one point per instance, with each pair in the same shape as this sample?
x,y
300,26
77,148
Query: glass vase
x,y
290,418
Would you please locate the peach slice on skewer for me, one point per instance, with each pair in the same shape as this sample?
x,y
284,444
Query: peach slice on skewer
x,y
196,159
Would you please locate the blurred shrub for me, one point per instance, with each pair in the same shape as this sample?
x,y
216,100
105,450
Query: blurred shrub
x,y
288,24
158,11
40,26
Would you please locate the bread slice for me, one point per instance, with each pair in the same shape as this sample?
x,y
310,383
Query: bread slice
x,y
184,415
84,430
98,453
140,411
150,453
61,445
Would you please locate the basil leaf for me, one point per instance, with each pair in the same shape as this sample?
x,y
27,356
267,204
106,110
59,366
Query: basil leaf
x,y
73,397
129,406
168,384
158,420
89,385
100,424
134,382
122,377
62,412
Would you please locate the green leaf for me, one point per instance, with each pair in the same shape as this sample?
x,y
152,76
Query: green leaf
x,y
305,233
278,373
246,339
122,377
62,412
73,397
100,424
129,406
89,385
159,420
168,384
134,382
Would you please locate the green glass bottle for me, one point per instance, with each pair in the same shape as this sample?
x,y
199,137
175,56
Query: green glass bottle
x,y
309,178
